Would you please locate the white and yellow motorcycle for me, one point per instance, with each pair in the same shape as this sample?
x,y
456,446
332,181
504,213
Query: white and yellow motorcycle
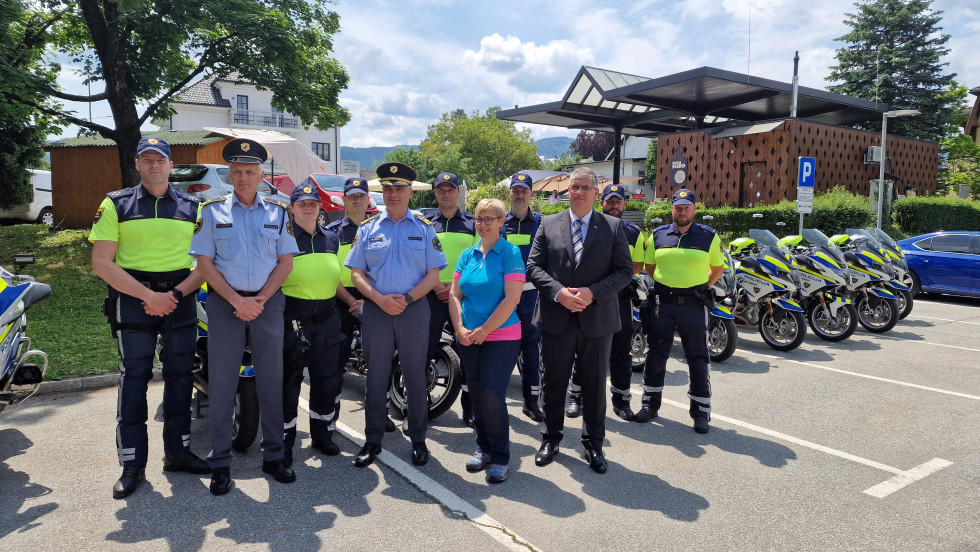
x,y
21,368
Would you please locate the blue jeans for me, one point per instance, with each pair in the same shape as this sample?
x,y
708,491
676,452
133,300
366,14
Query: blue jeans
x,y
488,368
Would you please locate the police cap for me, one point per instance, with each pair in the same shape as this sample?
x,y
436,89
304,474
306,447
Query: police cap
x,y
683,197
521,179
243,150
304,192
355,186
397,174
614,190
446,178
158,145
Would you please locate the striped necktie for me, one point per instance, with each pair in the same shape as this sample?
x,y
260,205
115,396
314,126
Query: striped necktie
x,y
577,240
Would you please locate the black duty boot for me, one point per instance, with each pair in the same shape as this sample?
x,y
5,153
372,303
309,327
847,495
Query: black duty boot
x,y
621,405
701,412
532,411
650,407
131,477
573,406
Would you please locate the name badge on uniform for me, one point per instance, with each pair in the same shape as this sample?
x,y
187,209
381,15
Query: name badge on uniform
x,y
225,225
276,226
376,239
415,238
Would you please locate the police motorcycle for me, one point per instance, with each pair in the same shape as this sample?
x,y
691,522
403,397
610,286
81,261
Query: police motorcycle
x,y
831,315
639,288
877,307
21,368
902,274
245,417
443,376
722,331
766,276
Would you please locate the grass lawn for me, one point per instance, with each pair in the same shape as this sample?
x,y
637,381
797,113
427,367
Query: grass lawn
x,y
69,326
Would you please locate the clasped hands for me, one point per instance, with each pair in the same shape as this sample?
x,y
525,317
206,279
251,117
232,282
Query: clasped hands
x,y
575,299
475,336
161,303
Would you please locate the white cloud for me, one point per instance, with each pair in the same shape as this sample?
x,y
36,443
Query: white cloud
x,y
527,66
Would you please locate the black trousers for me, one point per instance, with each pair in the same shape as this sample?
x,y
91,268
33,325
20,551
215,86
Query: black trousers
x,y
313,347
591,355
348,323
620,359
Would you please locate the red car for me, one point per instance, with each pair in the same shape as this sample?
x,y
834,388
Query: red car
x,y
331,188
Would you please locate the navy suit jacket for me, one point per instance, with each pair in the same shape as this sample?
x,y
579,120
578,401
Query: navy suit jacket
x,y
605,268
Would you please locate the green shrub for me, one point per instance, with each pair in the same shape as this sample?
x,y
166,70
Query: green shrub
x,y
919,215
833,212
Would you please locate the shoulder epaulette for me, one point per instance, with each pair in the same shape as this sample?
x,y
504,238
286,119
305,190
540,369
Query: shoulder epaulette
x,y
661,227
707,228
275,202
214,200
628,223
337,222
420,217
370,218
121,193
184,195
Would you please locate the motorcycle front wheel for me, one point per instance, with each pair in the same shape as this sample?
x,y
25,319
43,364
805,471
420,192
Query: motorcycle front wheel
x,y
904,303
722,338
638,348
877,314
443,377
829,327
781,329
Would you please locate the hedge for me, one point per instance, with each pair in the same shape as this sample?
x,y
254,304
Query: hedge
x,y
919,215
833,212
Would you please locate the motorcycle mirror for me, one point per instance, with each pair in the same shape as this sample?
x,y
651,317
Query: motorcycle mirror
x,y
21,260
708,217
780,223
756,215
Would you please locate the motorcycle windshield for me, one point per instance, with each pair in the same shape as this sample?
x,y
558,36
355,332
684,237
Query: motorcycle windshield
x,y
817,238
765,237
862,232
884,238
873,246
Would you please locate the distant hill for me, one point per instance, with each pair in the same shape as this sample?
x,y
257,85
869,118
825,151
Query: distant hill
x,y
368,157
550,148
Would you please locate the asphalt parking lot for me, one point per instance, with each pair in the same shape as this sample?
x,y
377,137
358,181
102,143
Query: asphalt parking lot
x,y
868,444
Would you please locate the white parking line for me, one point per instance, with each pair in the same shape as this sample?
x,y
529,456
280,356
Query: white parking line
x,y
902,478
442,495
944,319
931,344
867,376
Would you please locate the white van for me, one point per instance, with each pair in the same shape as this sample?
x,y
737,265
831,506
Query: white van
x,y
39,209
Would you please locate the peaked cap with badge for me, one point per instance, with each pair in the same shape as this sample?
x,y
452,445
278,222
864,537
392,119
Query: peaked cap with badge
x,y
302,193
158,145
683,197
616,190
521,179
355,186
446,178
243,150
397,174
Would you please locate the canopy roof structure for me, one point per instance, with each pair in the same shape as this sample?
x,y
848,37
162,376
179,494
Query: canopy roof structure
x,y
610,101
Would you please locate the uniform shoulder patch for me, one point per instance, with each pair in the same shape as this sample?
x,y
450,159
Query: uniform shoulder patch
x,y
197,225
184,195
275,202
436,244
214,200
423,219
98,214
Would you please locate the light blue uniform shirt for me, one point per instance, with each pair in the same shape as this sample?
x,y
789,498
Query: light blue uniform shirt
x,y
396,255
245,242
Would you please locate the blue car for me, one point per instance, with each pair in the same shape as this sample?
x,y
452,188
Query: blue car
x,y
944,262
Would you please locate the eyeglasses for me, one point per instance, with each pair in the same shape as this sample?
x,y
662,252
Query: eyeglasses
x,y
580,189
485,220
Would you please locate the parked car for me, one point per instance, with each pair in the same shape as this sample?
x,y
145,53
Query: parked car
x,y
944,262
332,196
206,181
39,208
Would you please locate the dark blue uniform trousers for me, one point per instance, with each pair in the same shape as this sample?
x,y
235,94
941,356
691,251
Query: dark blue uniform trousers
x,y
226,343
326,376
488,368
690,321
348,323
178,332
383,334
530,352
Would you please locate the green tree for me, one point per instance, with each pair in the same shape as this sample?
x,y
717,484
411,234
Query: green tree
x,y
651,164
23,128
893,56
476,145
146,52
959,164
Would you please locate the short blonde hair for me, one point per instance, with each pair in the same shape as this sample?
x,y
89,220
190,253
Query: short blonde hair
x,y
493,205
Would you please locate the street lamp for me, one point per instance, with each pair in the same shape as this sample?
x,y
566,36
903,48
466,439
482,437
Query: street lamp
x,y
881,169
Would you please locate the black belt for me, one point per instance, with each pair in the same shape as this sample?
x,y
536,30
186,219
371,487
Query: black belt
x,y
159,281
322,309
677,299
247,293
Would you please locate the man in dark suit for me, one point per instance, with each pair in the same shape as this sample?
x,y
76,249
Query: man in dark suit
x,y
579,261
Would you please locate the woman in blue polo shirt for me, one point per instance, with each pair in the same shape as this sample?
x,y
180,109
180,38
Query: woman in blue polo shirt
x,y
486,289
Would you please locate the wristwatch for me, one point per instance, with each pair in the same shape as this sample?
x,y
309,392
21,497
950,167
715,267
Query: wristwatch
x,y
178,295
408,299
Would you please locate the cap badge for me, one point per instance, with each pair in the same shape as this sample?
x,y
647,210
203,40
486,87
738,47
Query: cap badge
x,y
521,177
153,141
614,188
394,169
246,146
682,194
445,177
307,190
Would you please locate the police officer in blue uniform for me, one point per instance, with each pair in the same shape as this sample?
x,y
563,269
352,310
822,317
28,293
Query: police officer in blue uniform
x,y
394,262
456,230
140,240
520,225
613,203
244,248
684,259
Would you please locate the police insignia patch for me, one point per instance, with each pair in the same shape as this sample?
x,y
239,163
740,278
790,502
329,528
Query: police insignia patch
x,y
246,146
446,177
394,169
289,229
307,190
153,141
98,214
436,244
197,225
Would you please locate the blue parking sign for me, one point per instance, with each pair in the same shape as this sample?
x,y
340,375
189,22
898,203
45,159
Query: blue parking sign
x,y
807,176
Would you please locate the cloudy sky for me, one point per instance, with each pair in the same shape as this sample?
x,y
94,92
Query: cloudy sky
x,y
412,60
